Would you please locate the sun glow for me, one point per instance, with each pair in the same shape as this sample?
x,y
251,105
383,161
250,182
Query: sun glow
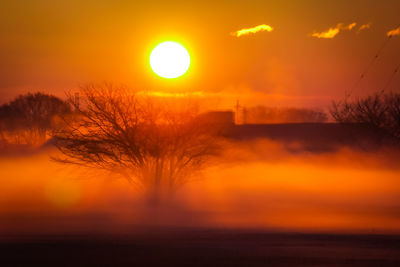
x,y
169,60
173,95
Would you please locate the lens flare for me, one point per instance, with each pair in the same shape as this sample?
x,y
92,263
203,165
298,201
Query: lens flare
x,y
169,60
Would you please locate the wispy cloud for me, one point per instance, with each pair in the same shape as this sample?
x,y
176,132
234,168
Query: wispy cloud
x,y
348,27
394,32
259,28
333,31
364,27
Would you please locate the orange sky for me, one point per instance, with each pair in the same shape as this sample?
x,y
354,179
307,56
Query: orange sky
x,y
54,46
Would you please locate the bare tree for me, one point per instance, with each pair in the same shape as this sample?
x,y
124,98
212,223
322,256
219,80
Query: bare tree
x,y
393,109
379,111
154,144
29,119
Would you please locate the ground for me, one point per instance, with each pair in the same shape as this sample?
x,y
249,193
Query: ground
x,y
201,247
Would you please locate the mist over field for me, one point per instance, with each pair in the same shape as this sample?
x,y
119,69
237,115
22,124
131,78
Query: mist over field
x,y
256,184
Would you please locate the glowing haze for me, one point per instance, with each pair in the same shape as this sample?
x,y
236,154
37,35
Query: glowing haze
x,y
342,191
308,54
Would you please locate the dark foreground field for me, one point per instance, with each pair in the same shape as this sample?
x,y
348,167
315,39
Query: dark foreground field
x,y
201,247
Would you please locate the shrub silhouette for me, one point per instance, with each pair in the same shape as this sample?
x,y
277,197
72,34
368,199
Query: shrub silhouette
x,y
379,111
30,118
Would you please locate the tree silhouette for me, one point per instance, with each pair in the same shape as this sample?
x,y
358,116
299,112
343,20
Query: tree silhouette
x,y
29,118
153,143
379,111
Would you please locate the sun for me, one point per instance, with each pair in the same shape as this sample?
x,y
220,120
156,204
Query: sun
x,y
169,60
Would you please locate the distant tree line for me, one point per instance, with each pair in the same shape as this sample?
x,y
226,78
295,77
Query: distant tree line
x,y
263,114
30,118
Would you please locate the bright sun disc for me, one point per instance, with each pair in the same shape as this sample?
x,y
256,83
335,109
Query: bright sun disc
x,y
169,60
